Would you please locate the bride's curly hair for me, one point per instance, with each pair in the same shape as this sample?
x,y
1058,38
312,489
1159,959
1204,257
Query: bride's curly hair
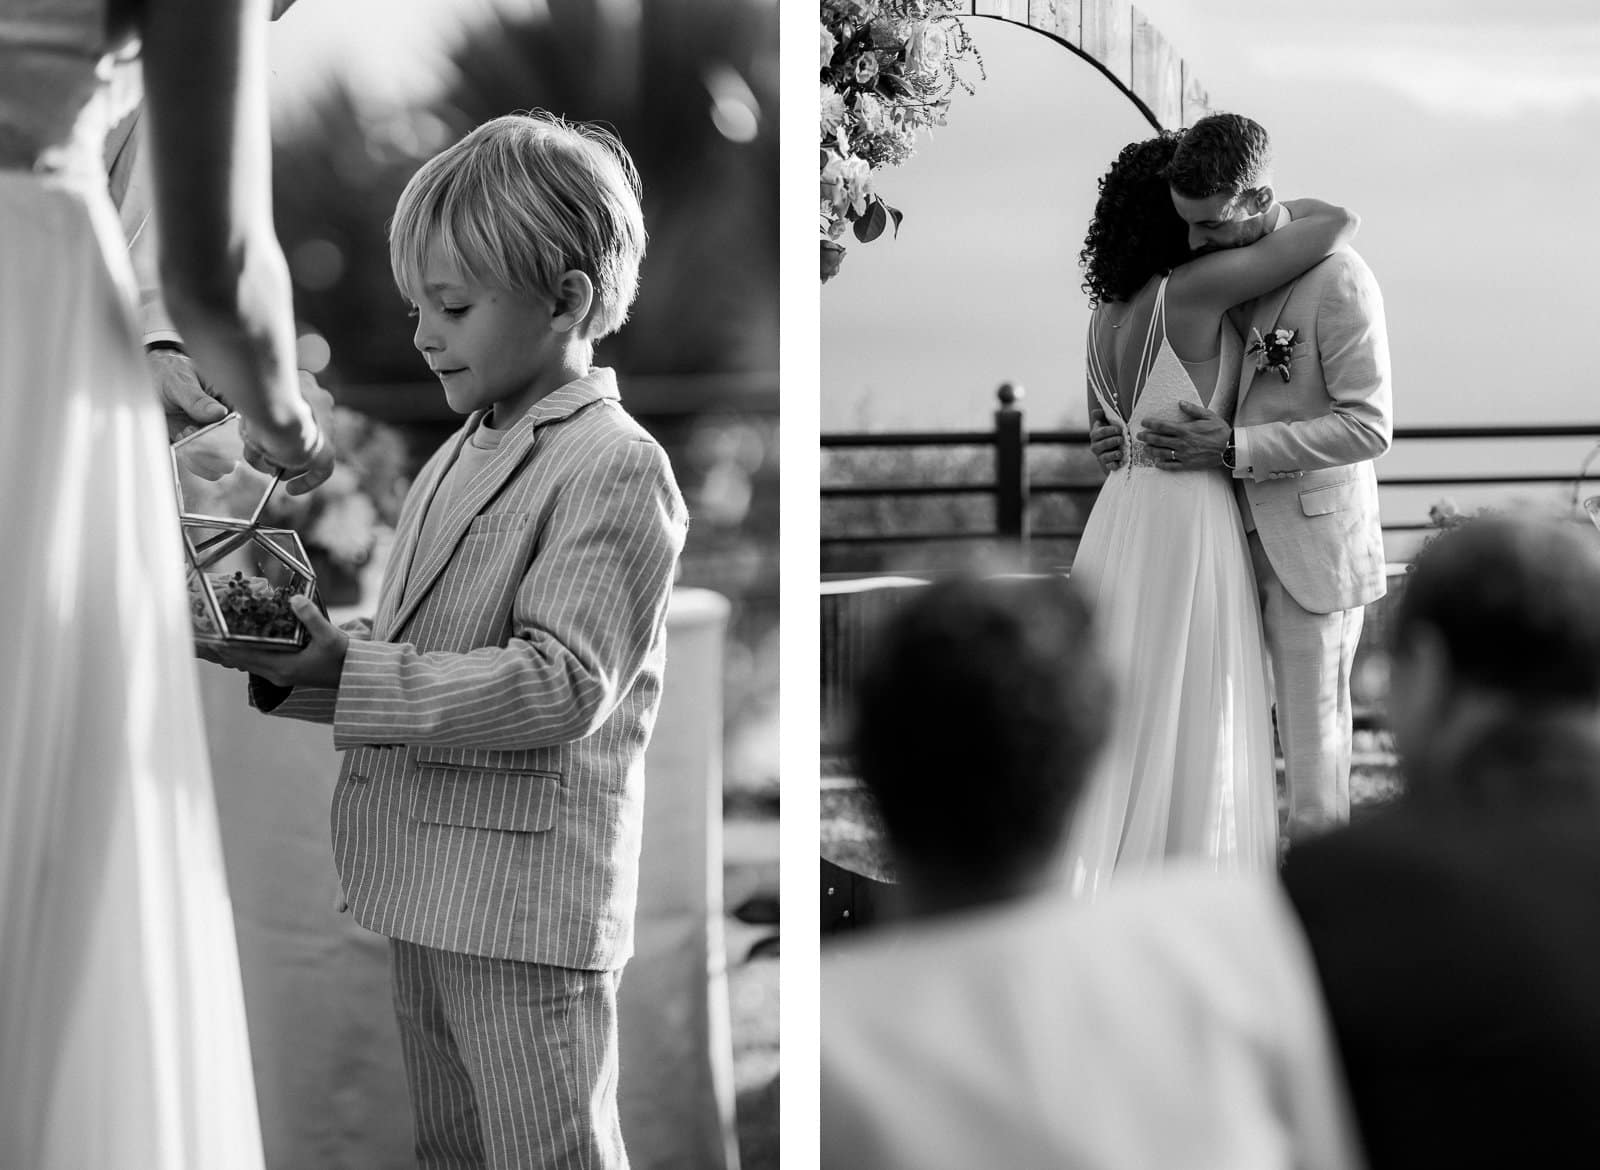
x,y
1135,232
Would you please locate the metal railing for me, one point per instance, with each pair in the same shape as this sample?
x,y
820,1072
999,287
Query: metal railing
x,y
1012,489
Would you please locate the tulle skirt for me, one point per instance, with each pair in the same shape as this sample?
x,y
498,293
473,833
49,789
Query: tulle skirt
x,y
122,1029
1187,770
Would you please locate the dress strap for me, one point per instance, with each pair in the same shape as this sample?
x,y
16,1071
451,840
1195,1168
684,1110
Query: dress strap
x,y
1153,337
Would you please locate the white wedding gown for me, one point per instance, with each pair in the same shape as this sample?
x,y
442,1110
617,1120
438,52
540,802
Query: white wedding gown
x,y
122,1029
1187,770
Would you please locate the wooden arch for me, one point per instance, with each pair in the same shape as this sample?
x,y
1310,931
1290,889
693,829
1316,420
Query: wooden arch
x,y
1119,40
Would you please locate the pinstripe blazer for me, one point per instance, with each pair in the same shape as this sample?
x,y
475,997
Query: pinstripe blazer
x,y
493,714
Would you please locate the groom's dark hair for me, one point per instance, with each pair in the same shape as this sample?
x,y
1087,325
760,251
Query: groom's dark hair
x,y
1221,154
1516,602
982,706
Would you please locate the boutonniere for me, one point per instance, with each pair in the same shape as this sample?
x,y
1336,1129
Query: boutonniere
x,y
1274,350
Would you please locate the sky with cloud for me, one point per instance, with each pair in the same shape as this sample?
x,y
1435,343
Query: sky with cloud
x,y
1460,131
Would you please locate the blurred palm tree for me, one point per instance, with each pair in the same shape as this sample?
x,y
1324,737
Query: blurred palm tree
x,y
690,86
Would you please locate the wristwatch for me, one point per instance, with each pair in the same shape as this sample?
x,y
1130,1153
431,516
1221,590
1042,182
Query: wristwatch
x,y
1230,454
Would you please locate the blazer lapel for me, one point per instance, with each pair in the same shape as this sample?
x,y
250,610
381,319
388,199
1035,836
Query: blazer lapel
x,y
423,566
1264,318
467,500
405,544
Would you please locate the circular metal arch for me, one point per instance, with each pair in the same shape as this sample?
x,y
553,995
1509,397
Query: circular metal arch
x,y
1118,40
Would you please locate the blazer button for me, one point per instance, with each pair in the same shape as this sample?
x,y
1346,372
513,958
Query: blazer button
x,y
359,778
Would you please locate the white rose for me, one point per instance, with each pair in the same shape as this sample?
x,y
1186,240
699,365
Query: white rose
x,y
927,47
830,44
846,184
871,113
833,110
835,190
828,222
858,174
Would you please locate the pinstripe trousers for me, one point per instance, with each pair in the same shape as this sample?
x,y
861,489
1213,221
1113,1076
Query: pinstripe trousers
x,y
511,1065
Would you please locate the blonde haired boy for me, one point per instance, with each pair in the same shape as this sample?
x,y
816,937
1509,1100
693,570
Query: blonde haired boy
x,y
494,712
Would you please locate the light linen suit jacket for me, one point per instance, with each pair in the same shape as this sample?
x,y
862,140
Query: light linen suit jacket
x,y
494,713
1305,447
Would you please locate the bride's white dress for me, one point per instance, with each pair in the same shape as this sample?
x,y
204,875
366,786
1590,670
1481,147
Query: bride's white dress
x,y
1188,767
122,1027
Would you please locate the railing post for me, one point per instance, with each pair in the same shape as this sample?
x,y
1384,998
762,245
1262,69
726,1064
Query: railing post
x,y
1011,464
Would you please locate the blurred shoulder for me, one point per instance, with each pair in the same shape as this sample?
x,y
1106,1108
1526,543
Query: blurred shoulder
x,y
1387,834
1401,863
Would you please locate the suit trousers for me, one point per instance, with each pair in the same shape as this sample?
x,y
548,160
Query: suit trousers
x,y
511,1065
1311,655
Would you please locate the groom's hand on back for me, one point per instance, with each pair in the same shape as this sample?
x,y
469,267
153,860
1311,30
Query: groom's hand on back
x,y
1197,441
1105,440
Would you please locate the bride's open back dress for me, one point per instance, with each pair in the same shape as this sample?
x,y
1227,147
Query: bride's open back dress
x,y
1187,770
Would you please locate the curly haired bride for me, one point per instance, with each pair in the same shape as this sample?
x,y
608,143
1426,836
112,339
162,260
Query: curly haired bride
x,y
1188,770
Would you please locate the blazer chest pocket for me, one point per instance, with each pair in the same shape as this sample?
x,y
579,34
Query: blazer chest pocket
x,y
498,523
521,801
1327,499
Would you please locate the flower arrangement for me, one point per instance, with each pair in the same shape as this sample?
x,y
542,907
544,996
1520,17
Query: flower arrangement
x,y
888,69
1275,350
1445,515
251,607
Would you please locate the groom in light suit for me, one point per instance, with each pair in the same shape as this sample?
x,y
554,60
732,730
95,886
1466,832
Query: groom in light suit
x,y
1314,409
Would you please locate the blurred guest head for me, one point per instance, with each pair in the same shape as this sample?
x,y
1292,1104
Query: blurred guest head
x,y
978,716
1499,624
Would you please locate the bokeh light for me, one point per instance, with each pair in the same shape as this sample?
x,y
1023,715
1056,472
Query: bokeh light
x,y
734,109
317,264
312,352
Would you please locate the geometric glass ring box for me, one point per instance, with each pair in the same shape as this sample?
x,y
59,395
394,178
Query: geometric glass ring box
x,y
240,574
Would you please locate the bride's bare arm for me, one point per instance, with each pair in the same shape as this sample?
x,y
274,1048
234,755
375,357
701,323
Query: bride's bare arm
x,y
223,273
1105,436
1227,277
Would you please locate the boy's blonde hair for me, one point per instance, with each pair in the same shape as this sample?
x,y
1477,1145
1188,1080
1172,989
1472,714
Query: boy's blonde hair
x,y
521,200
